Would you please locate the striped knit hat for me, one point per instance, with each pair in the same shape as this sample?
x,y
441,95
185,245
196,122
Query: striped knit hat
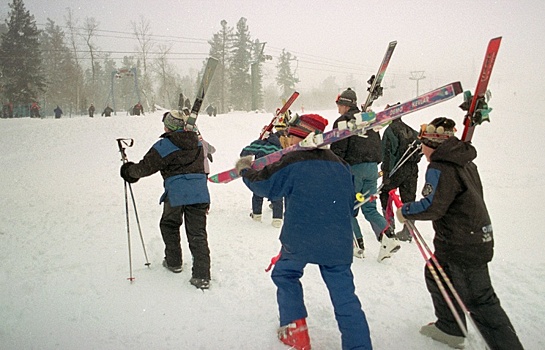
x,y
174,120
307,123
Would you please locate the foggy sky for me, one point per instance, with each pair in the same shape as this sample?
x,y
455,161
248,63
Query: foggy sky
x,y
446,39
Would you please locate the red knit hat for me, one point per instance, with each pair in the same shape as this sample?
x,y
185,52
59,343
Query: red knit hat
x,y
307,123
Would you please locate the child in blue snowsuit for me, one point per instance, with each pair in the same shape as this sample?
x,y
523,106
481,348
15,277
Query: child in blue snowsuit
x,y
319,194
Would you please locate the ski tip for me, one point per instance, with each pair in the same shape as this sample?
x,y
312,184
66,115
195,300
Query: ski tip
x,y
457,87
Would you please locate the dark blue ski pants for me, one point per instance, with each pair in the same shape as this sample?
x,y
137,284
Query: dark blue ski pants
x,y
339,280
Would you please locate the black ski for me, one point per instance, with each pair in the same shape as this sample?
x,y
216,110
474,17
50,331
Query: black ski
x,y
205,83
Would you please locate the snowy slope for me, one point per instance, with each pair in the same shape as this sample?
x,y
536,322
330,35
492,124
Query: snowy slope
x,y
64,262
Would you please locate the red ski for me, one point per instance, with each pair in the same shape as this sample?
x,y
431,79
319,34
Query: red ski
x,y
279,112
476,107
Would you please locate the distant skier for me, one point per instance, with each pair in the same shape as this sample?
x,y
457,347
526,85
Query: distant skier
x,y
35,110
58,112
91,110
138,109
107,111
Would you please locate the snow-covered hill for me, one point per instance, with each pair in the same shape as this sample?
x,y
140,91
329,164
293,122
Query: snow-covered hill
x,y
64,261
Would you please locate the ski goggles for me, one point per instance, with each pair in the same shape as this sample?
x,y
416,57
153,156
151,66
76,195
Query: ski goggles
x,y
432,136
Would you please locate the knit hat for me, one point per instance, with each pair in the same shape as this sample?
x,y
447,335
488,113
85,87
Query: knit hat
x,y
174,120
280,125
347,98
307,123
437,132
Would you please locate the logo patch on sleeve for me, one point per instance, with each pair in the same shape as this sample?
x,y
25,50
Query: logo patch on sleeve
x,y
427,190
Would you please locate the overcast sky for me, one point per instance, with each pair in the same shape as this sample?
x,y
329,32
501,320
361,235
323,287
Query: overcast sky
x,y
446,39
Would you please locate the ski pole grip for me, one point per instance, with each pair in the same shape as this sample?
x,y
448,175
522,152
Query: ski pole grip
x,y
395,198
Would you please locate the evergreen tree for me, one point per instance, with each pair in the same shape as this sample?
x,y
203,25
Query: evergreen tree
x,y
20,57
258,57
59,67
220,47
285,78
241,94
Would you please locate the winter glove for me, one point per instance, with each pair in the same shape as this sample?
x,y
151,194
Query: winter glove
x,y
209,156
124,172
385,178
244,163
400,216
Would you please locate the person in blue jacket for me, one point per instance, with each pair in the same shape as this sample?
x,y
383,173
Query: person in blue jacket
x,y
319,195
260,148
58,112
179,156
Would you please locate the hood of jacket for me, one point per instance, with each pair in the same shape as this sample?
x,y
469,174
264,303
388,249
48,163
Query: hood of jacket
x,y
454,151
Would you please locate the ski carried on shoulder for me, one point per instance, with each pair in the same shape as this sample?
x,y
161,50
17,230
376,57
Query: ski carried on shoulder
x,y
267,129
476,105
358,126
205,83
375,89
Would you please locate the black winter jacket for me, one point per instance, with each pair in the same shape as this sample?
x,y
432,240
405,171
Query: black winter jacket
x,y
357,149
453,200
179,156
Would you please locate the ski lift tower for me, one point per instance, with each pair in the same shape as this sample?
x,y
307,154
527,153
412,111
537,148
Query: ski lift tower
x,y
119,74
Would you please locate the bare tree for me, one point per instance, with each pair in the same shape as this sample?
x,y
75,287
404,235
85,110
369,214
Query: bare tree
x,y
89,29
142,32
164,70
72,24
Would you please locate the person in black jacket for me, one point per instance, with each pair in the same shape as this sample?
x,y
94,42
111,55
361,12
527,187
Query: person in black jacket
x,y
397,143
107,111
179,156
364,153
464,242
91,110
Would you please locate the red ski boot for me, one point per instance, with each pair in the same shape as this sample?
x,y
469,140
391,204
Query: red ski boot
x,y
295,335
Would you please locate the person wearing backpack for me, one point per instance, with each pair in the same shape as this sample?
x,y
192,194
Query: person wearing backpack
x,y
396,140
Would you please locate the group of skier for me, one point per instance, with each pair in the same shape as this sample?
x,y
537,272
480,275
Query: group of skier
x,y
452,200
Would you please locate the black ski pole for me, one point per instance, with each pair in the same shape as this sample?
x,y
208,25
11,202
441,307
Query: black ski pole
x,y
128,143
408,153
138,224
121,142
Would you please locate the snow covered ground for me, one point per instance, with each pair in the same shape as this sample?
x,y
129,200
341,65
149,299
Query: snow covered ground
x,y
64,259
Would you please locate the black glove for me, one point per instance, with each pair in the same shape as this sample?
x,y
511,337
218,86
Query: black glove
x,y
209,156
124,172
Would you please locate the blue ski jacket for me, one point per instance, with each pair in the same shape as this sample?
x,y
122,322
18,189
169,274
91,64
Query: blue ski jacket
x,y
319,197
179,156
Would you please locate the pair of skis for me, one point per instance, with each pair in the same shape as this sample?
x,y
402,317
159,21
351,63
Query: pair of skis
x,y
359,126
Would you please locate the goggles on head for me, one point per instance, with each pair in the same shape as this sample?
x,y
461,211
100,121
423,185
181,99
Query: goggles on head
x,y
433,133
